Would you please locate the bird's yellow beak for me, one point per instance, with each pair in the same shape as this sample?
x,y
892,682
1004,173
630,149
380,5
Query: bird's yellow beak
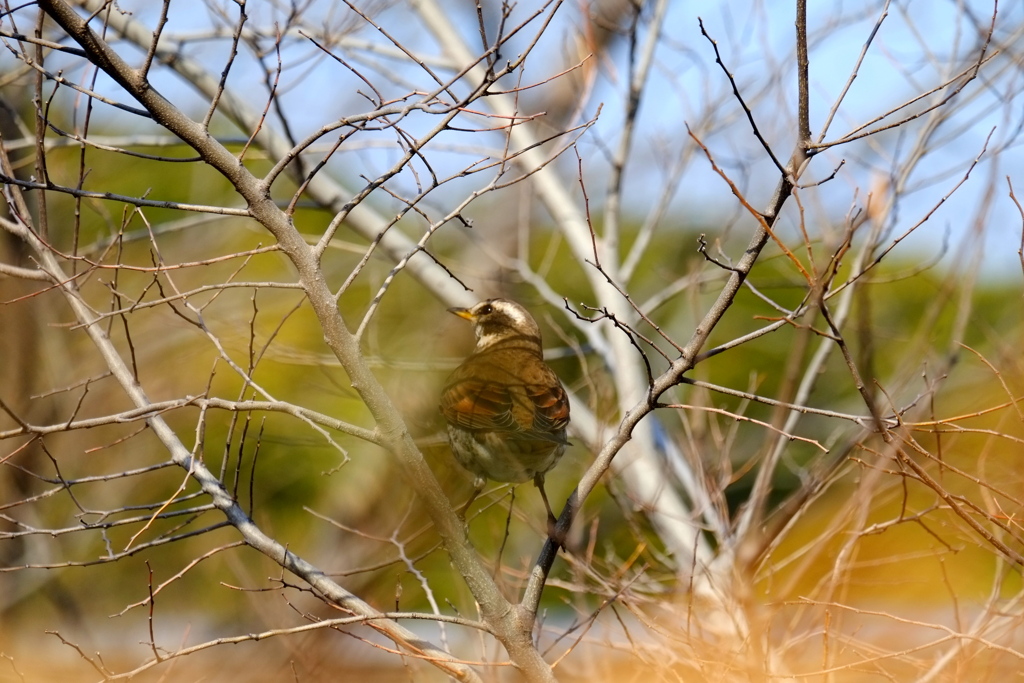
x,y
464,313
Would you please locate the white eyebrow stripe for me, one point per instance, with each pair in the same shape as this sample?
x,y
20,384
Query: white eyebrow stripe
x,y
515,312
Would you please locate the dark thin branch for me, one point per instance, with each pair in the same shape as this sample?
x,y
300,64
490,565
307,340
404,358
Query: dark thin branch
x,y
736,92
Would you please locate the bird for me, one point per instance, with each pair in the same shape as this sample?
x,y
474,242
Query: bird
x,y
506,409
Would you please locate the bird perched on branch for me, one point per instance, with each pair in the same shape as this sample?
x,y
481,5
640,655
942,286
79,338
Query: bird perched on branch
x,y
506,410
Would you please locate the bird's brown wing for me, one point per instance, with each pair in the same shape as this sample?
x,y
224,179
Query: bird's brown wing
x,y
478,405
529,404
551,408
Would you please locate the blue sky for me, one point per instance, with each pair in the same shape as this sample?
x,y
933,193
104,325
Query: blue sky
x,y
917,46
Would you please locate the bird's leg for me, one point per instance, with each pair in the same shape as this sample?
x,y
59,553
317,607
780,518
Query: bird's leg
x,y
553,534
478,487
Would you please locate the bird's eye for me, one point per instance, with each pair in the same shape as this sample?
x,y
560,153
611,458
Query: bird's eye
x,y
486,309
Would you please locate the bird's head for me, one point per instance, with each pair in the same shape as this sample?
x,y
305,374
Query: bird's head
x,y
498,320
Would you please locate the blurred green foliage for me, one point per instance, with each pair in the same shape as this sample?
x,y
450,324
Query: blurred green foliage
x,y
348,510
